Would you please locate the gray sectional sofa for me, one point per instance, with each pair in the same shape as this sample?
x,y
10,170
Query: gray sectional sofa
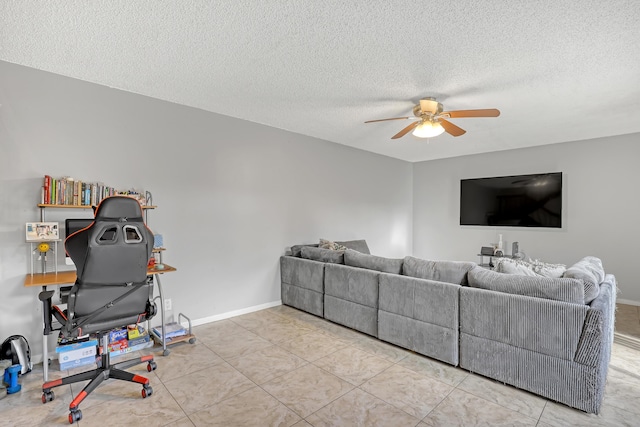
x,y
550,336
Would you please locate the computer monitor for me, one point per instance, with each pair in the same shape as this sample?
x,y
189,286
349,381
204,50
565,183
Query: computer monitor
x,y
71,225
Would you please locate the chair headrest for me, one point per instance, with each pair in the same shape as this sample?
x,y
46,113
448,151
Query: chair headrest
x,y
116,207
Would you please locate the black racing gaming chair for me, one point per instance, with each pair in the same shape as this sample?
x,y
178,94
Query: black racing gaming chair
x,y
111,291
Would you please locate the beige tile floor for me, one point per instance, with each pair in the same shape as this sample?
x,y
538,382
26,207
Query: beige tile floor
x,y
284,367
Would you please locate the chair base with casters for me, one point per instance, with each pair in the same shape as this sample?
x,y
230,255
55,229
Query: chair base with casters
x,y
97,376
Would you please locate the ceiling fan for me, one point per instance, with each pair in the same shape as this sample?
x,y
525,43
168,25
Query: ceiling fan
x,y
431,120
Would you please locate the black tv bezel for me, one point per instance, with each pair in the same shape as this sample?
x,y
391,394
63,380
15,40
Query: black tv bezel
x,y
523,176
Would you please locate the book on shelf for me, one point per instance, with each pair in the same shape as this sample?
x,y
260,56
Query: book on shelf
x,y
172,330
74,192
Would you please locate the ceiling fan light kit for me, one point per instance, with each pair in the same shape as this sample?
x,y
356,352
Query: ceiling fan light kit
x,y
433,119
428,129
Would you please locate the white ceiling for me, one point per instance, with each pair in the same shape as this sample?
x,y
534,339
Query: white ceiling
x,y
558,70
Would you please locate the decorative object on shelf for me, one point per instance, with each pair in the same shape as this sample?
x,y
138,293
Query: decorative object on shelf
x,y
486,250
43,235
499,251
42,231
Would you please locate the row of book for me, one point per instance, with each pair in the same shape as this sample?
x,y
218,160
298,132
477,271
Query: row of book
x,y
69,191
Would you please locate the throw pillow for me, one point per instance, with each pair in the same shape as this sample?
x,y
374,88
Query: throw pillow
x,y
514,266
333,246
549,270
529,268
322,255
372,262
356,245
589,269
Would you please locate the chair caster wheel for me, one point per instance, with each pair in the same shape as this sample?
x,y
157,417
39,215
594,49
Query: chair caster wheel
x,y
192,340
47,396
147,391
166,352
151,366
75,416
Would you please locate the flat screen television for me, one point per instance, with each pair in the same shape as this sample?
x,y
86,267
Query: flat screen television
x,y
71,225
512,201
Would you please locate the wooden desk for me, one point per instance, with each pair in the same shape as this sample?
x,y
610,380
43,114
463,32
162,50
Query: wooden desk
x,y
69,278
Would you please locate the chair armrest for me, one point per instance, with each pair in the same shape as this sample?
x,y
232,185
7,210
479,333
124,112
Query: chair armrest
x,y
45,297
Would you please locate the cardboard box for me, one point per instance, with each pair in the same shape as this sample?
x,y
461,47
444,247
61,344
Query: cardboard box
x,y
76,351
117,335
77,362
135,331
77,354
118,345
140,340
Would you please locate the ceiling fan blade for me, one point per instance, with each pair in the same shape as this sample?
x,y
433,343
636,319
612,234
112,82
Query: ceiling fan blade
x,y
394,118
406,130
489,112
452,129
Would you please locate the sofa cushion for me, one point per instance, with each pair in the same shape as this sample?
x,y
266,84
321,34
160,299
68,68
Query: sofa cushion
x,y
372,262
589,269
563,289
323,255
296,249
442,271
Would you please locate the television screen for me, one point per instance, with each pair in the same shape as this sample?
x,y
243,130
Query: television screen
x,y
512,201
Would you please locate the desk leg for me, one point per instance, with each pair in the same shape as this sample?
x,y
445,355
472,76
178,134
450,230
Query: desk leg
x,y
45,359
165,352
45,347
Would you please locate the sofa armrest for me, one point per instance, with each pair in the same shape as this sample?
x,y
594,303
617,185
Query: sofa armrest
x,y
540,325
597,335
303,273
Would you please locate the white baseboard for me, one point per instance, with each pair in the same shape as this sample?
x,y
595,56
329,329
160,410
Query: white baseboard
x,y
627,301
234,313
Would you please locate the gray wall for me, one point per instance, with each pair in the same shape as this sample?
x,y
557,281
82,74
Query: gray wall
x,y
231,194
601,206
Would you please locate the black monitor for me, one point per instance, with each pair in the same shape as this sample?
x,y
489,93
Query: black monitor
x,y
71,225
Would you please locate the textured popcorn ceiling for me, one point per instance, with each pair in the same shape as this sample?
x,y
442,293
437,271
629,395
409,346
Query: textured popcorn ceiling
x,y
558,70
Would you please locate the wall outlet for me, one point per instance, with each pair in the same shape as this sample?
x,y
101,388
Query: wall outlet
x,y
167,304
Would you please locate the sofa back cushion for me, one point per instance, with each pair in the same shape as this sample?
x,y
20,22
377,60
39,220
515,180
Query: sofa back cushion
x,y
589,269
322,255
563,289
296,250
352,284
372,262
441,271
